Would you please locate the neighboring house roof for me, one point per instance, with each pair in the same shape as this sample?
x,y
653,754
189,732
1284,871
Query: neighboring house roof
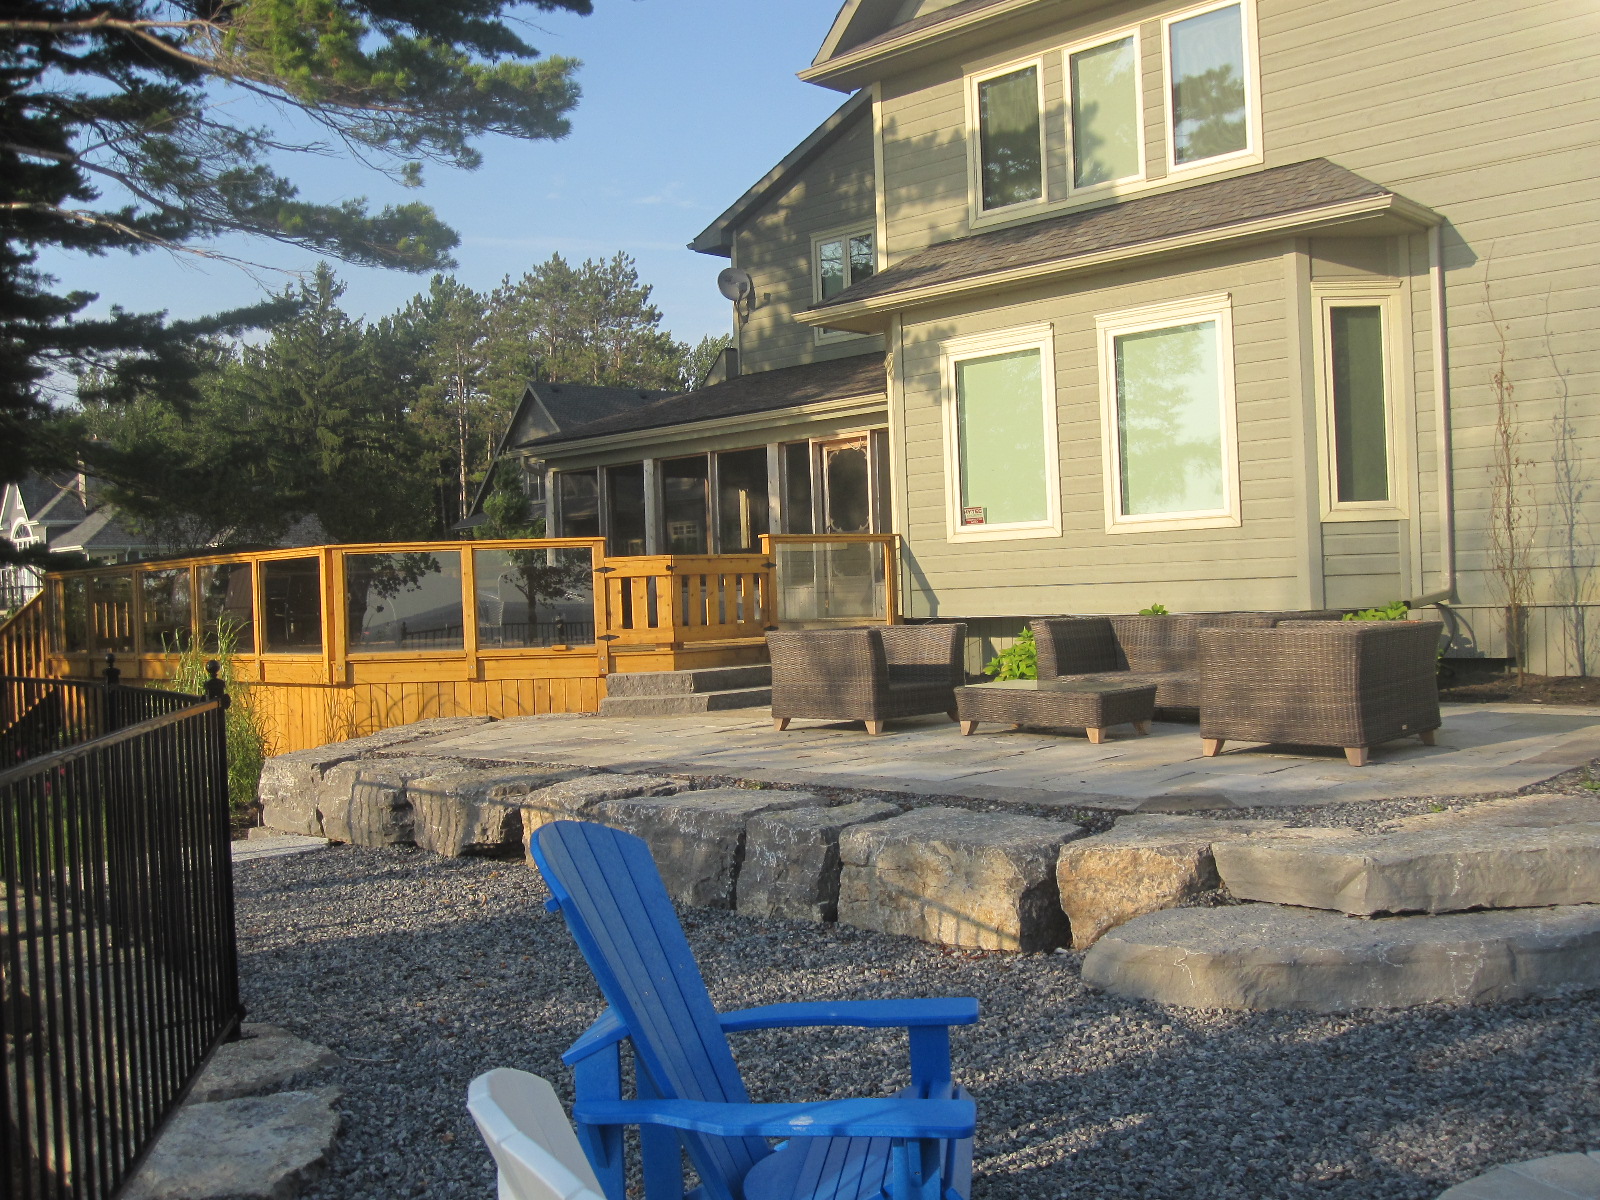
x,y
1306,191
101,532
717,237
766,391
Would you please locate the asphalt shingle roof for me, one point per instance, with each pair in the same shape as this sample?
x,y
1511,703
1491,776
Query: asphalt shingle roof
x,y
1299,187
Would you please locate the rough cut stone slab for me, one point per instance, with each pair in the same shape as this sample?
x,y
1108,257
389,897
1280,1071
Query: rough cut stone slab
x,y
791,860
1442,869
574,799
407,739
265,1057
256,1148
1557,1177
945,875
1260,956
475,811
365,802
698,838
1141,865
1512,812
289,784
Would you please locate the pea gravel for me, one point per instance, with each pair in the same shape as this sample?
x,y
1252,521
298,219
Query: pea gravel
x,y
423,971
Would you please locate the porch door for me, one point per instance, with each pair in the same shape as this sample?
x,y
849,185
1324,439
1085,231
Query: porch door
x,y
846,486
849,573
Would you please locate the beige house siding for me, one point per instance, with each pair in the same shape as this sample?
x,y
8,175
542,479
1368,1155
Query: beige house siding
x,y
833,193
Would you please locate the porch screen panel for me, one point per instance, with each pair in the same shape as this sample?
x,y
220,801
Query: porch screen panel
x,y
796,511
1169,420
541,597
1360,409
683,504
164,599
227,612
625,508
1209,112
292,606
1011,170
580,503
1105,114
741,500
408,602
1000,430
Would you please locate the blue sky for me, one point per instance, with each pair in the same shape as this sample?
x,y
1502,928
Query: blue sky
x,y
686,103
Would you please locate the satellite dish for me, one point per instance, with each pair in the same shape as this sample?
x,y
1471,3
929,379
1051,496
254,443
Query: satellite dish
x,y
737,286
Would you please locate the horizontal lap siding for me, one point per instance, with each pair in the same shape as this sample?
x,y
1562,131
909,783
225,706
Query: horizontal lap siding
x,y
1087,569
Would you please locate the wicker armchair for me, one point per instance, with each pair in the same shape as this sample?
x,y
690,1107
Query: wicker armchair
x,y
871,675
1351,684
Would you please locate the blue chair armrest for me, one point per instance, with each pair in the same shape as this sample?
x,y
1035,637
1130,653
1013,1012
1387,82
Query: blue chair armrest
x,y
861,1014
606,1032
889,1118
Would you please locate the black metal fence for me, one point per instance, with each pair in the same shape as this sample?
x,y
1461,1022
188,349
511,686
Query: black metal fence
x,y
118,964
39,716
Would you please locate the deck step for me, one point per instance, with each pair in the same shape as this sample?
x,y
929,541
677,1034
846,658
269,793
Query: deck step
x,y
1261,956
682,683
684,702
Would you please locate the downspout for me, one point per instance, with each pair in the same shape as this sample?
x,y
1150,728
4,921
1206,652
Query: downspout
x,y
1441,401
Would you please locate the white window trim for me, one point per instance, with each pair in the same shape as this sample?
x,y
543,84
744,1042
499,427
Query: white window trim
x,y
1252,92
975,142
1109,186
1216,307
844,233
1386,295
1028,337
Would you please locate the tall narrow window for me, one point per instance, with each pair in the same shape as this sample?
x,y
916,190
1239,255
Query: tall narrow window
x,y
625,504
843,260
1010,157
1210,80
1358,404
580,503
1169,415
1106,127
742,508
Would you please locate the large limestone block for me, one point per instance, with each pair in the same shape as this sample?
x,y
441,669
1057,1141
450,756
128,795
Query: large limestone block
x,y
408,739
575,799
475,811
1260,956
791,859
1444,869
945,875
1141,865
698,838
1510,812
290,782
365,802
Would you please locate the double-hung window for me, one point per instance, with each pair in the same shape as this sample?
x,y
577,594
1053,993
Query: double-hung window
x,y
1355,396
1210,106
1002,478
1167,411
1008,136
1106,121
839,260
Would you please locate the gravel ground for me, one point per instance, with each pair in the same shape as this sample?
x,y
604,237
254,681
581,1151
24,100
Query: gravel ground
x,y
424,971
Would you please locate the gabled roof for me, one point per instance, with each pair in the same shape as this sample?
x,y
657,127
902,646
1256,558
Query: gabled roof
x,y
102,531
1302,194
717,237
858,376
868,33
51,499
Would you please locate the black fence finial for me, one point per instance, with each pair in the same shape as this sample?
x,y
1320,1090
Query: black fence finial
x,y
216,689
112,675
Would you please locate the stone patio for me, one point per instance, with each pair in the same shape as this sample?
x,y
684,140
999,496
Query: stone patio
x,y
1481,749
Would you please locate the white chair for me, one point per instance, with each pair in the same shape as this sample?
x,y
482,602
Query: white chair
x,y
533,1144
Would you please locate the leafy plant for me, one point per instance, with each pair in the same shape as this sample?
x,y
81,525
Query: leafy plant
x,y
246,731
1155,610
1395,610
1020,660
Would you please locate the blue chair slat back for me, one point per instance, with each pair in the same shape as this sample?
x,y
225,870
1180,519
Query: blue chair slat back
x,y
617,908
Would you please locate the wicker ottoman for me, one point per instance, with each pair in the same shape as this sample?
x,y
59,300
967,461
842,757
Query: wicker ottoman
x,y
1089,704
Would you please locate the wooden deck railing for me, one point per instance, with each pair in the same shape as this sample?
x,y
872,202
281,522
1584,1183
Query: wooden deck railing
x,y
674,599
25,641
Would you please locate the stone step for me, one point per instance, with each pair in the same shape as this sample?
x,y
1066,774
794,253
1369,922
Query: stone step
x,y
1262,957
682,683
1431,870
686,702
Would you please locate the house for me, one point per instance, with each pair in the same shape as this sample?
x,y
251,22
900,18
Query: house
x,y
1233,304
60,510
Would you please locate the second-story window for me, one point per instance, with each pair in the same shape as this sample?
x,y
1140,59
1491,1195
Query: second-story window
x,y
1210,78
1107,129
842,260
1010,152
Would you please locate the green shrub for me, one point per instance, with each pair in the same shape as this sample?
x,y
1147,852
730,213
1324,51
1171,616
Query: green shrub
x,y
1395,610
1155,610
1018,661
247,739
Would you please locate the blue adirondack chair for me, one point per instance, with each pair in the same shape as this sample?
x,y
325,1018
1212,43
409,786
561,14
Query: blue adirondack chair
x,y
916,1145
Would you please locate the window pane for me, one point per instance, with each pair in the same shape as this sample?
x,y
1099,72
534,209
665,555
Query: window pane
x,y
1105,114
164,597
404,601
1169,420
580,503
111,609
797,516
862,261
1208,102
1008,139
292,596
683,504
830,268
227,605
741,500
1000,429
1360,415
625,502
534,597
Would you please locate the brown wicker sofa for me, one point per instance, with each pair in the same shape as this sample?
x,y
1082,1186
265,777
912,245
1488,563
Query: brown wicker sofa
x,y
1351,684
873,674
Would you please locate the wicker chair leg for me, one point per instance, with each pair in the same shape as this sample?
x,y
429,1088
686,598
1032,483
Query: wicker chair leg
x,y
1211,747
967,727
874,727
1356,756
1097,734
1142,728
1426,737
780,723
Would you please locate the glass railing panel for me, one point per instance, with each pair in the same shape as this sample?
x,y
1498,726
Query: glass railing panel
x,y
75,613
537,597
291,590
167,613
227,608
111,612
404,601
825,582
